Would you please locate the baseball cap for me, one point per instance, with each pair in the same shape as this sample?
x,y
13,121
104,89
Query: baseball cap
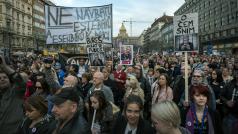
x,y
57,65
48,60
67,93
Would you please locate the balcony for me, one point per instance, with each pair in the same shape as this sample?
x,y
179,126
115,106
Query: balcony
x,y
9,2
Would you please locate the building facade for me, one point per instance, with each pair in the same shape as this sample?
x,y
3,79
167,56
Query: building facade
x,y
167,37
153,36
141,39
218,23
16,25
39,24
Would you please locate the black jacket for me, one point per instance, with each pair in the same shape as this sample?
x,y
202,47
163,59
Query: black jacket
x,y
11,110
226,95
104,118
215,117
143,126
45,126
77,125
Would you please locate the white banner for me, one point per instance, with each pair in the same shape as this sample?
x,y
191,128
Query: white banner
x,y
186,32
67,25
186,24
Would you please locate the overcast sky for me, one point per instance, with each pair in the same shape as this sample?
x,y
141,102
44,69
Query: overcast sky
x,y
142,11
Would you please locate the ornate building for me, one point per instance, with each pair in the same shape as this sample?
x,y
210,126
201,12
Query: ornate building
x,y
16,25
124,39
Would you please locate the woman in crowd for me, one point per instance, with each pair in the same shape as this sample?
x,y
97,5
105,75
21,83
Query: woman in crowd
x,y
216,82
200,119
85,84
133,87
166,119
42,88
162,91
104,113
37,121
217,85
131,121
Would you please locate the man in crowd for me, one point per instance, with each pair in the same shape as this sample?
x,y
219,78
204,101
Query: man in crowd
x,y
67,113
60,73
12,87
98,78
97,61
179,84
70,81
50,73
82,67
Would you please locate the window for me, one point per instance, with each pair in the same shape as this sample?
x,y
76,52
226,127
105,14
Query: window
x,y
224,33
0,9
23,7
233,31
23,17
17,4
18,16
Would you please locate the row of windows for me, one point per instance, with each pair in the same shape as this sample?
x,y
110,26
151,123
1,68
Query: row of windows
x,y
0,9
219,6
38,8
39,17
216,23
39,25
22,6
229,32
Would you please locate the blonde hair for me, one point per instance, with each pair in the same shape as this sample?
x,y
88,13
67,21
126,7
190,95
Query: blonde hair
x,y
133,82
167,112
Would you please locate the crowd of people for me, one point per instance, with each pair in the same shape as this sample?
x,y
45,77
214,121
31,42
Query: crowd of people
x,y
42,96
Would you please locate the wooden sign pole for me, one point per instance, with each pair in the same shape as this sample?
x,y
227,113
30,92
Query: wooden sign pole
x,y
186,76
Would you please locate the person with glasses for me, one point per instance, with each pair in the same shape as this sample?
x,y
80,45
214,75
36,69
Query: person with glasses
x,y
199,117
165,117
198,77
130,121
41,88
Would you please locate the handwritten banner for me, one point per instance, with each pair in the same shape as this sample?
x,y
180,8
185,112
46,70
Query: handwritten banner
x,y
67,25
186,32
186,24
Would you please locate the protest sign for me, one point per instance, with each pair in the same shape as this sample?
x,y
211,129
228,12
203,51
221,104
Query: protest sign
x,y
126,54
96,51
186,32
68,25
68,59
